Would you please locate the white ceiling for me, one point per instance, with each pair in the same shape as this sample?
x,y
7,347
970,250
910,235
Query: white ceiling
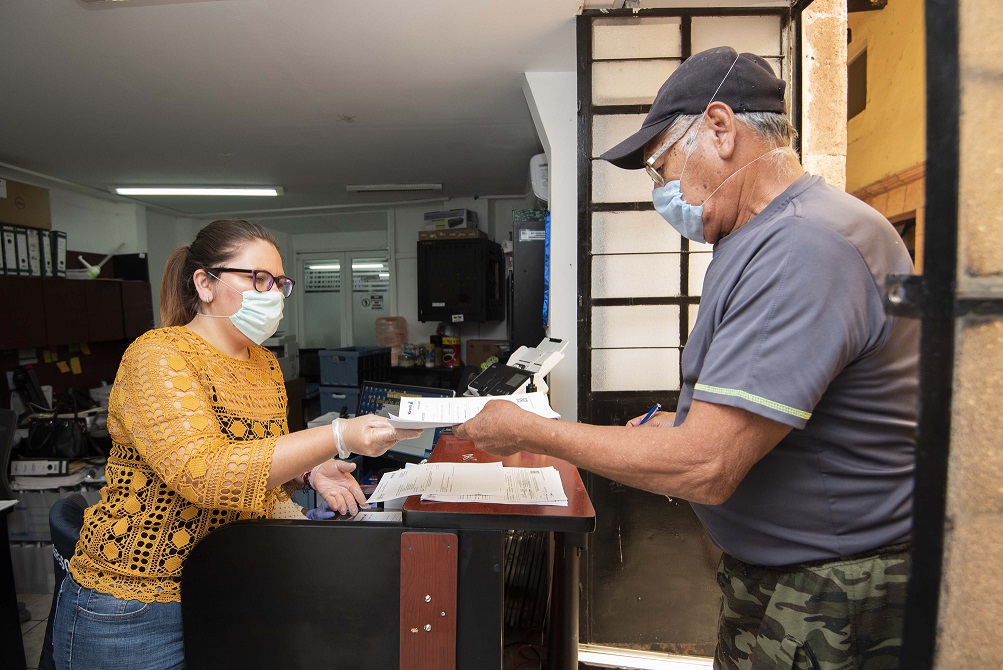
x,y
309,95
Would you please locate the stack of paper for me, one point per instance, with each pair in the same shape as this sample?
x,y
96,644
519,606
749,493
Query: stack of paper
x,y
435,412
473,482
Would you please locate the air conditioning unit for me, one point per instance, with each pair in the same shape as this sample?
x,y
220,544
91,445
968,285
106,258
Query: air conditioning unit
x,y
539,176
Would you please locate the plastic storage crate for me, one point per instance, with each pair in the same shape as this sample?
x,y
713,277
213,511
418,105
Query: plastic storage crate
x,y
350,366
334,398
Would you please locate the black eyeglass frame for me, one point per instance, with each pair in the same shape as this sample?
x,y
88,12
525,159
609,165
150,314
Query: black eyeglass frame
x,y
282,281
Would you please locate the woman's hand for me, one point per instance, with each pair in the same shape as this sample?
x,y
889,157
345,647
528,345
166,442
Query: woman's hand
x,y
334,483
372,435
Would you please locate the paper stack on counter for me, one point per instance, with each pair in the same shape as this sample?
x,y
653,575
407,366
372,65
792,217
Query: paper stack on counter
x,y
473,482
435,412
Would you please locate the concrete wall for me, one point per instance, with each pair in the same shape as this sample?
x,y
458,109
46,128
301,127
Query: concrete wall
x,y
823,62
889,135
971,588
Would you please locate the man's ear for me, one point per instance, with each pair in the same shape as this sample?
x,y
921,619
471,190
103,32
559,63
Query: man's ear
x,y
724,126
202,285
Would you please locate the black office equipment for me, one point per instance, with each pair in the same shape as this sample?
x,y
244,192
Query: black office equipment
x,y
499,379
460,280
30,391
525,318
384,399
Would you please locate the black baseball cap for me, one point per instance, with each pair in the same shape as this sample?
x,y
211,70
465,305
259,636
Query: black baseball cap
x,y
747,84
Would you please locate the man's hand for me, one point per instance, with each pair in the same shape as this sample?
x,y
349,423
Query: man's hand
x,y
495,429
660,419
334,483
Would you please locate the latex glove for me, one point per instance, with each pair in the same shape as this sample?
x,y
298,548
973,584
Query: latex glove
x,y
496,428
369,435
322,511
332,480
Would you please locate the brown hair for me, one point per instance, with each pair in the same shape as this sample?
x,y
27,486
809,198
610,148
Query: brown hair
x,y
214,245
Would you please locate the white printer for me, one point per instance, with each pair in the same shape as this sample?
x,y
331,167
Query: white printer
x,y
287,350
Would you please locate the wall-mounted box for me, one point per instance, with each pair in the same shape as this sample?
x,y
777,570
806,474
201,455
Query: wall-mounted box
x,y
24,205
460,280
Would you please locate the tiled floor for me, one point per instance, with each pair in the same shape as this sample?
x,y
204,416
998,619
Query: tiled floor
x,y
33,632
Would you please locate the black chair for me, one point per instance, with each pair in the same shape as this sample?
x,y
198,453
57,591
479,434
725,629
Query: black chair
x,y
8,424
66,517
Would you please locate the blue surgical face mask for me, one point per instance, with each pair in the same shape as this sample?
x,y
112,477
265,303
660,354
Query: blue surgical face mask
x,y
687,219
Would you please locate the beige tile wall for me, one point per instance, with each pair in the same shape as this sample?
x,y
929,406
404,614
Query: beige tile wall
x,y
971,635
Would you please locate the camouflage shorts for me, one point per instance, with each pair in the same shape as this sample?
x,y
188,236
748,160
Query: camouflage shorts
x,y
845,614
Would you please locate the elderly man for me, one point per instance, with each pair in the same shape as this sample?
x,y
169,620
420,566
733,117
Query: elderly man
x,y
794,436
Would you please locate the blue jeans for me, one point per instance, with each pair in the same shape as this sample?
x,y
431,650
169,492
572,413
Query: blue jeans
x,y
96,630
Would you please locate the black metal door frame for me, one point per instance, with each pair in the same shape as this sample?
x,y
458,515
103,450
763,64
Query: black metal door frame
x,y
931,297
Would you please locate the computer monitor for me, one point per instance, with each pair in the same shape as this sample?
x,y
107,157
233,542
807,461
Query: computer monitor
x,y
384,399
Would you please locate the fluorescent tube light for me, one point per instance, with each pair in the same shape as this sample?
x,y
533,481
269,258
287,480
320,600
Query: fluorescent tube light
x,y
324,267
367,266
391,188
185,190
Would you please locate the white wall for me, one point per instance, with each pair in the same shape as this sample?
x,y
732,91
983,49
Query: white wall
x,y
552,99
99,225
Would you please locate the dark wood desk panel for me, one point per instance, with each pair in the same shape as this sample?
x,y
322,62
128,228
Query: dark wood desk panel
x,y
568,525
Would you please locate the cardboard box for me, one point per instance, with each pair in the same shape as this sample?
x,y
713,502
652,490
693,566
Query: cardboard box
x,y
24,205
479,351
450,219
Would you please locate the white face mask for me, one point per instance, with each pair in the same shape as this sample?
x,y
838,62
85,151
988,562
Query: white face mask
x,y
259,314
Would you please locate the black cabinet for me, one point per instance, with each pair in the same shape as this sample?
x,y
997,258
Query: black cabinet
x,y
525,322
460,280
22,315
53,312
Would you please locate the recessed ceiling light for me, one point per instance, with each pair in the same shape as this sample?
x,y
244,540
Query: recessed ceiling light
x,y
390,188
185,190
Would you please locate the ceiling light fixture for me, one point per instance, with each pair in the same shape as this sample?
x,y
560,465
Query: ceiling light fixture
x,y
391,188
186,190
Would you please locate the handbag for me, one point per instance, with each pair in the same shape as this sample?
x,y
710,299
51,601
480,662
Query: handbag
x,y
57,437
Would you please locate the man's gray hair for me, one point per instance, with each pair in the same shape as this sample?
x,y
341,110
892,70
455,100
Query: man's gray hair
x,y
773,128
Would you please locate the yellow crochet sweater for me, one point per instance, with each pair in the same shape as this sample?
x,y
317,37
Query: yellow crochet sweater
x,y
193,431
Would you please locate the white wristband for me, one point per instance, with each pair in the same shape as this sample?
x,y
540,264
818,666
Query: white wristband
x,y
339,439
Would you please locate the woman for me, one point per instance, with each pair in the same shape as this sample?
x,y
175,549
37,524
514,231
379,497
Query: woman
x,y
197,417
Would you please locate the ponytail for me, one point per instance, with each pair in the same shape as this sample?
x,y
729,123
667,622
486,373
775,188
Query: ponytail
x,y
176,291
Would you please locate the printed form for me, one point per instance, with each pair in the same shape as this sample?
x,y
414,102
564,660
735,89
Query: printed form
x,y
523,486
435,412
474,483
455,478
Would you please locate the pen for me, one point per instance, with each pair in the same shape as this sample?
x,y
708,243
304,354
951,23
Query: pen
x,y
650,413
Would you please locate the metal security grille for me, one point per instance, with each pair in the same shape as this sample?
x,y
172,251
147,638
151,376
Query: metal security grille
x,y
640,281
639,293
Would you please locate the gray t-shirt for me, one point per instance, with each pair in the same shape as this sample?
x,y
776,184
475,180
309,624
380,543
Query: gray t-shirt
x,y
792,327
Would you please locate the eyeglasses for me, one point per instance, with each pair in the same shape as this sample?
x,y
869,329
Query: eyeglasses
x,y
649,165
649,162
263,279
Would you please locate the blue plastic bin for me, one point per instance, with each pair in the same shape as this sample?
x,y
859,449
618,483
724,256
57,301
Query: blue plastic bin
x,y
350,366
334,398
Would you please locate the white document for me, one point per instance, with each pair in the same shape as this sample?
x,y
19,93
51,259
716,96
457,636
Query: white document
x,y
523,486
455,478
434,412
